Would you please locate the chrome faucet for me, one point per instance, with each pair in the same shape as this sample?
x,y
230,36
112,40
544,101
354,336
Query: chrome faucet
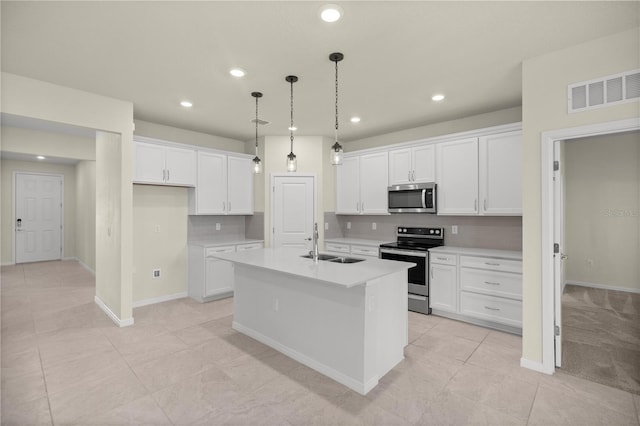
x,y
314,253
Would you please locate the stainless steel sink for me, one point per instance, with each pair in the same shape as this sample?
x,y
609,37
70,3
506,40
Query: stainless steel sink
x,y
320,257
346,260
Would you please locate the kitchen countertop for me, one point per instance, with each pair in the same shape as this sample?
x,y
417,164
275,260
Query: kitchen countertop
x,y
360,241
288,260
221,241
466,251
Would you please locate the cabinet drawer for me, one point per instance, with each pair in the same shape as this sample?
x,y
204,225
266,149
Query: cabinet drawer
x,y
335,247
491,282
365,250
442,259
491,308
503,265
251,246
220,249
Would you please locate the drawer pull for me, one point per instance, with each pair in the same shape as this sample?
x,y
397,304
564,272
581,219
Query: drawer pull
x,y
442,258
491,309
491,283
491,263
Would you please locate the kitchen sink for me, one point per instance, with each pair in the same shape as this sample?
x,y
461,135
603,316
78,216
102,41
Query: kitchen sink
x,y
320,257
345,260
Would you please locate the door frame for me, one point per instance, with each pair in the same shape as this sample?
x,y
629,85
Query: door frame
x,y
549,214
13,210
272,205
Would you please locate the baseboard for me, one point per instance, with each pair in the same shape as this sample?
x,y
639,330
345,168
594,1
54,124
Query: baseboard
x,y
8,264
85,266
603,286
110,314
535,366
160,299
361,387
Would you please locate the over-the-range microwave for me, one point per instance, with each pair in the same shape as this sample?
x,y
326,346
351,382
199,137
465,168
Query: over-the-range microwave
x,y
412,198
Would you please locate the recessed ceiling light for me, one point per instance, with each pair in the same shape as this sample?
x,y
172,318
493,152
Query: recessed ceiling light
x,y
186,104
237,72
41,157
330,13
293,128
355,119
437,97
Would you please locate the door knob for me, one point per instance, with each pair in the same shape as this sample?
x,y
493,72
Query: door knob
x,y
563,256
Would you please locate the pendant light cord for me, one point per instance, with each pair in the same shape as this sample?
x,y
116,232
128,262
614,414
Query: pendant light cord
x,y
256,126
291,127
336,101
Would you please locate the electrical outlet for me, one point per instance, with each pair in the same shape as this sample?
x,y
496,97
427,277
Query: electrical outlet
x,y
348,225
326,226
454,229
156,229
276,305
374,226
590,263
156,273
217,226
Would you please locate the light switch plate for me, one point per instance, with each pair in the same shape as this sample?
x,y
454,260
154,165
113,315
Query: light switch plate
x,y
348,225
217,226
454,229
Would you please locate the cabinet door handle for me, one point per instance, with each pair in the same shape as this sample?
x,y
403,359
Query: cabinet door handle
x,y
229,205
413,175
491,283
223,206
362,206
485,204
475,204
409,175
491,263
491,309
168,175
164,175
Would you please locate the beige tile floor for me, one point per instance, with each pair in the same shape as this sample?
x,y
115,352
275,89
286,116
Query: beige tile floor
x,y
64,362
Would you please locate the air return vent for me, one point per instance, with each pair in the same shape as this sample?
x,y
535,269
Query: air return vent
x,y
605,91
261,122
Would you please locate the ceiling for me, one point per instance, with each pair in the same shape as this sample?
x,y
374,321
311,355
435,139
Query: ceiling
x,y
397,55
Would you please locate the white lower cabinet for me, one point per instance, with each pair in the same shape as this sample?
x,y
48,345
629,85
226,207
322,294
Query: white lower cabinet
x,y
341,249
487,289
443,291
211,278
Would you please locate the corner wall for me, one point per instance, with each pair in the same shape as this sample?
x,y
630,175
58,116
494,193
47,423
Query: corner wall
x,y
86,213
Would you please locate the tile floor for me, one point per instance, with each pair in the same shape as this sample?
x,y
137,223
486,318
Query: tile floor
x,y
64,363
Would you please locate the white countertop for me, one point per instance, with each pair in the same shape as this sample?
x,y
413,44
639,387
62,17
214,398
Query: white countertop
x,y
289,261
466,251
358,241
221,241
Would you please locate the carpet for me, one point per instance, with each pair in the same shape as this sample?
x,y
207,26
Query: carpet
x,y
601,336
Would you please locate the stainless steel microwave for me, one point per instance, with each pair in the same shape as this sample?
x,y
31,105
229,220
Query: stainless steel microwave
x,y
412,198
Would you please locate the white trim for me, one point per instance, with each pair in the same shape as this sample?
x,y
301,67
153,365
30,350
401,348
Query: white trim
x,y
271,200
547,219
476,133
85,266
603,286
120,323
361,387
8,264
159,299
196,148
535,366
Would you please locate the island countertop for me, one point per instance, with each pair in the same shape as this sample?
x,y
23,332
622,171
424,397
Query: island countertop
x,y
289,261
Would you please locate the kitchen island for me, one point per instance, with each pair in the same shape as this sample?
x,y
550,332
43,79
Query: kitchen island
x,y
346,321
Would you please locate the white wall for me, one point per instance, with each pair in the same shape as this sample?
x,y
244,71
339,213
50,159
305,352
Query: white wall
x,y
35,142
602,221
86,213
159,241
174,134
544,108
9,167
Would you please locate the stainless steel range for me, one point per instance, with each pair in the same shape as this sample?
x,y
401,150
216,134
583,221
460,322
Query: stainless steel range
x,y
412,245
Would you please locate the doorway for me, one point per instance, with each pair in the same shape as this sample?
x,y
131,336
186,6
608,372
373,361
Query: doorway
x,y
293,206
38,217
552,230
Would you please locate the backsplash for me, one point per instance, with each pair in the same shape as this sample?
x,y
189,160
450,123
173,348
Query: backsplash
x,y
490,232
254,226
202,227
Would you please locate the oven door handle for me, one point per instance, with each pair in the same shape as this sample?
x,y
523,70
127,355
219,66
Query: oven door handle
x,y
402,252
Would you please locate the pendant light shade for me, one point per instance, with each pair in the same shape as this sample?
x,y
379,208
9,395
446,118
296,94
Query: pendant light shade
x,y
336,149
292,162
257,164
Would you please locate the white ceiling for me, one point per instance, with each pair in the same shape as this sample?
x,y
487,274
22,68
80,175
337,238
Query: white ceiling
x,y
397,55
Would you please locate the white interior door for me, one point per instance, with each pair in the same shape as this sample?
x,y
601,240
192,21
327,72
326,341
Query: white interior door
x,y
38,225
293,210
559,257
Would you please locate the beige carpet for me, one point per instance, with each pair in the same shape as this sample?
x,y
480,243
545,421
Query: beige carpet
x,y
601,336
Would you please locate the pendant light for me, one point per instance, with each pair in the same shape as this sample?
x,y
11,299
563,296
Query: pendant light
x,y
257,164
292,162
336,149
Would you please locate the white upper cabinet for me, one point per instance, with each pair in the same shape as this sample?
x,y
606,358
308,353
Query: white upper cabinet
x,y
457,177
361,184
412,165
224,185
239,185
163,165
500,161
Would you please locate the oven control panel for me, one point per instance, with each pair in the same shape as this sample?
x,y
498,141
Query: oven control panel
x,y
420,232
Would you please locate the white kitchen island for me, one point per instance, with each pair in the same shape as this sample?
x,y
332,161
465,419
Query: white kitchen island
x,y
346,321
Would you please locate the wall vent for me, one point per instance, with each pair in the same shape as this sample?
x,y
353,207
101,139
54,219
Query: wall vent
x,y
604,91
261,122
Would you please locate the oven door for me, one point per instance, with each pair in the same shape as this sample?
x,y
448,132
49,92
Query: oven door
x,y
418,277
